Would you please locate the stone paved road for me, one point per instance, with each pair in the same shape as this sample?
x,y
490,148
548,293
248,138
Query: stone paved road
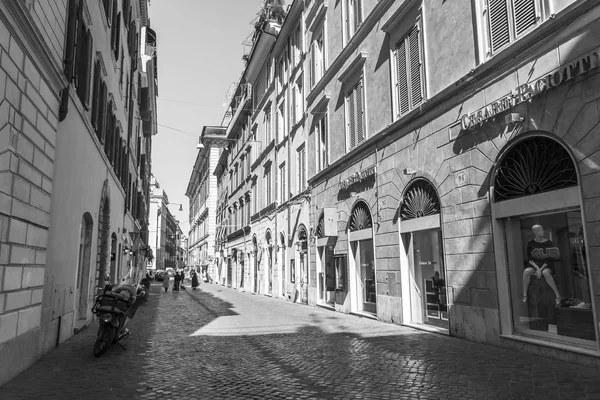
x,y
218,343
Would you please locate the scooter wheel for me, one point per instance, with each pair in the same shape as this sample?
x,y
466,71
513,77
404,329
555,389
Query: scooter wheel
x,y
101,344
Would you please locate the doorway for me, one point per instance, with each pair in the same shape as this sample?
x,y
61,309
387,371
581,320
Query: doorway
x,y
113,257
423,273
426,278
85,250
269,262
326,273
362,257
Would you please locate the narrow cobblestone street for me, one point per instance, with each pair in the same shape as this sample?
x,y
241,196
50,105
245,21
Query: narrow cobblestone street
x,y
218,343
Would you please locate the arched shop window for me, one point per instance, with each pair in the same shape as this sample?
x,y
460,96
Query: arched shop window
x,y
535,165
360,218
537,205
420,200
321,227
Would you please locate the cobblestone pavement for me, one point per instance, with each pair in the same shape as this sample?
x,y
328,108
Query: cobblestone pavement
x,y
217,343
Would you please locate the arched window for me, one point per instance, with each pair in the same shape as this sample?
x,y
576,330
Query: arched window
x,y
534,165
360,218
420,200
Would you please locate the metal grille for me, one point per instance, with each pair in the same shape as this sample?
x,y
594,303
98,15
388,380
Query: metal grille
x,y
499,27
360,218
419,201
535,165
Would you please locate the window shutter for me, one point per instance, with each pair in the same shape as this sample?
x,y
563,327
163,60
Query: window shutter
x,y
313,66
402,77
101,112
118,36
360,127
89,60
525,15
113,30
499,28
351,119
416,83
96,96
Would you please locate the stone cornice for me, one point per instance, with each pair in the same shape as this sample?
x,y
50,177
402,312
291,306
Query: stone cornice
x,y
33,44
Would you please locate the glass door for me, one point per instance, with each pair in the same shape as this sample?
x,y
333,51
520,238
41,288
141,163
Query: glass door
x,y
367,275
427,278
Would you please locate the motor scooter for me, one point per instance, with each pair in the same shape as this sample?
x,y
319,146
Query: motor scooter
x,y
114,307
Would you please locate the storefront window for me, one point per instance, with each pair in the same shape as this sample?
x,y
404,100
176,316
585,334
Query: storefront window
x,y
549,277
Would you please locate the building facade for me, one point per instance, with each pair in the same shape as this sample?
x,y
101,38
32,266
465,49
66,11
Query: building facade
x,y
87,178
164,231
451,162
454,187
202,194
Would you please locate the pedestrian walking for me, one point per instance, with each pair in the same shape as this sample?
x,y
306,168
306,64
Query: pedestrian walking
x,y
182,279
166,281
177,280
195,282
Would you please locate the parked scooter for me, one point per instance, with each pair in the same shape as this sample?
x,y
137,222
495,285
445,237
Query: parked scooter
x,y
114,307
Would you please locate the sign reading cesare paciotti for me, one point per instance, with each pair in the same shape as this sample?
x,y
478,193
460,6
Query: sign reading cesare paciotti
x,y
526,91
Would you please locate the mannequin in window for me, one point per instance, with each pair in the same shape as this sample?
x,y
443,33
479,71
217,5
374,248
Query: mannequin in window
x,y
540,254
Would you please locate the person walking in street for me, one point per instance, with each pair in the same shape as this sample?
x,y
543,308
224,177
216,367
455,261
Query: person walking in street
x,y
166,281
182,273
195,282
177,280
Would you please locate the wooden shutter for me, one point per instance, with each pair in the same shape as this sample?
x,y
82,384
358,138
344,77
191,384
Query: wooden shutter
x,y
89,60
113,30
360,121
525,15
118,36
96,96
313,64
352,119
416,81
498,23
402,77
102,113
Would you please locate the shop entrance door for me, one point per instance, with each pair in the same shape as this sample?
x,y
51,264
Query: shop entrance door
x,y
326,273
364,261
426,278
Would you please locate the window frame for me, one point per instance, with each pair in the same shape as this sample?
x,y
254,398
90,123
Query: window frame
x,y
349,92
348,12
322,147
319,36
282,183
301,183
543,9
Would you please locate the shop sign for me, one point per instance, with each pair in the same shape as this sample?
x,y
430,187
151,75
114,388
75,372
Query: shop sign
x,y
357,177
526,91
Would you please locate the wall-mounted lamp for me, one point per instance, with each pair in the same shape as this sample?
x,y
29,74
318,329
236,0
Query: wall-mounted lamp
x,y
125,250
409,171
199,145
513,118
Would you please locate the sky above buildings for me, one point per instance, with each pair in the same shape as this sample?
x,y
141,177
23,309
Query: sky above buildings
x,y
199,58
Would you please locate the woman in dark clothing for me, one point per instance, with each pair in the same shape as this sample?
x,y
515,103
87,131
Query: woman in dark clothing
x,y
177,281
195,282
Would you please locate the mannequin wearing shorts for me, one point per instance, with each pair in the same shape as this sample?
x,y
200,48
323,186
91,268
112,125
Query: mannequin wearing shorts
x,y
540,254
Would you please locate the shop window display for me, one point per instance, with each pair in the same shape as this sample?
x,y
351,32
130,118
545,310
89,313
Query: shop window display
x,y
549,277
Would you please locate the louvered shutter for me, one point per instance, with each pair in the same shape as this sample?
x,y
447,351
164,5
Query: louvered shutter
x,y
360,126
118,37
416,82
313,66
499,25
96,96
402,77
351,119
89,60
525,15
101,112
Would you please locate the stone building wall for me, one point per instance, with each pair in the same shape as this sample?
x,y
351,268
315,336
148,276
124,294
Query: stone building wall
x,y
30,81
